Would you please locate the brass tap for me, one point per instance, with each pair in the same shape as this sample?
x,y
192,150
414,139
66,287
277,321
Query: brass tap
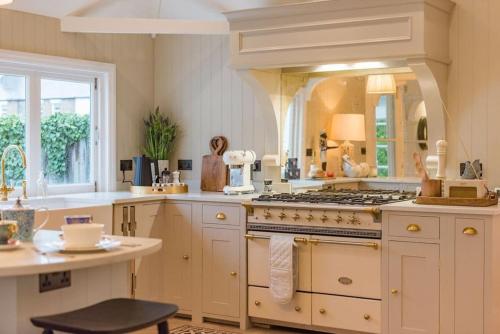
x,y
4,189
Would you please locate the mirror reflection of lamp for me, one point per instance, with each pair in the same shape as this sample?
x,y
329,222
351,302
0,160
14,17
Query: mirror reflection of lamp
x,y
348,127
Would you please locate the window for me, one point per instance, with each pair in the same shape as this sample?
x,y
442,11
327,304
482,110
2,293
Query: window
x,y
56,110
386,136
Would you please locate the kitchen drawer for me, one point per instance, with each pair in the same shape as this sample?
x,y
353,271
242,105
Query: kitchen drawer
x,y
220,214
261,305
425,227
355,314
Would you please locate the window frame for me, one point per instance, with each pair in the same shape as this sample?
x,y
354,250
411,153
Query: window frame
x,y
36,67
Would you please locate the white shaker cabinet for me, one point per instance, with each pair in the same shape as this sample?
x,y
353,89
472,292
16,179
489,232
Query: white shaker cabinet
x,y
414,288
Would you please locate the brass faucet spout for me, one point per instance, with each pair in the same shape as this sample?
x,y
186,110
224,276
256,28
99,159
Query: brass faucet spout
x,y
4,189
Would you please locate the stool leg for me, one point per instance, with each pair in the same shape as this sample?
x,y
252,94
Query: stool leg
x,y
48,331
163,327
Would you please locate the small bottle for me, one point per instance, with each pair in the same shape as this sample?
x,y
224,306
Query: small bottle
x,y
41,185
268,186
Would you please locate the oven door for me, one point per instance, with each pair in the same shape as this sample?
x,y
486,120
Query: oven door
x,y
346,266
258,260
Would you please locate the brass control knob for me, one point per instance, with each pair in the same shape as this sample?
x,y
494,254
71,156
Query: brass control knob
x,y
339,219
298,308
367,317
322,311
267,214
257,303
354,219
324,218
296,216
282,215
310,217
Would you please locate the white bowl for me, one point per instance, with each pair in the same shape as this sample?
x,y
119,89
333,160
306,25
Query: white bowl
x,y
82,235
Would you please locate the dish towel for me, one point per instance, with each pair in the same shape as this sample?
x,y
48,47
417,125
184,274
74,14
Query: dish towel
x,y
283,268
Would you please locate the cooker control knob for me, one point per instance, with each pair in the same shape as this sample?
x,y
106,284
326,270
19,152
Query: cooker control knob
x,y
282,215
324,218
354,219
310,217
267,214
296,216
339,219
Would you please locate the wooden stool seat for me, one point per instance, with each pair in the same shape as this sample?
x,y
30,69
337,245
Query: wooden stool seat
x,y
120,315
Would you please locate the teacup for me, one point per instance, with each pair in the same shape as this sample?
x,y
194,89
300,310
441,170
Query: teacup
x,y
82,235
8,230
78,219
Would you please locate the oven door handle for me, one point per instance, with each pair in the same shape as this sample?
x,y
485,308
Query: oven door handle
x,y
373,245
253,236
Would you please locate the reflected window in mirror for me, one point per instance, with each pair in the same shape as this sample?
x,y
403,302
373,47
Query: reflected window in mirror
x,y
386,136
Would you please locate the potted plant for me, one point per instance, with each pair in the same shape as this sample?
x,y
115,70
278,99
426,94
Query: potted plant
x,y
161,133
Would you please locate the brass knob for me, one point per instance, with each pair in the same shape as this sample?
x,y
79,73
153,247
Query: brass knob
x,y
257,303
353,219
267,214
233,273
413,228
470,231
296,216
298,308
322,311
220,216
282,215
185,257
394,291
310,217
366,316
339,219
324,218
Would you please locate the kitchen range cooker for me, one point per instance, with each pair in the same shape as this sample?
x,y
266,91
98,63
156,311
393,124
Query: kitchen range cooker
x,y
338,235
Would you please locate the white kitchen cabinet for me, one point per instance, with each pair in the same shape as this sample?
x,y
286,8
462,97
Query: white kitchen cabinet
x,y
413,282
221,270
143,220
178,256
469,276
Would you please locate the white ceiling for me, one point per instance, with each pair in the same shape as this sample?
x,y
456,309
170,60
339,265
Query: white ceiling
x,y
170,9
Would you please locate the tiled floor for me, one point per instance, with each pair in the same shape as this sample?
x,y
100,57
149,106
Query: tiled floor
x,y
177,322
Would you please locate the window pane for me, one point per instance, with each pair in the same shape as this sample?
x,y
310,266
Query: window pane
x,y
384,113
65,130
12,122
386,158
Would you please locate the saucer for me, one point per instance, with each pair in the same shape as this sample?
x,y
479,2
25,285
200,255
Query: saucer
x,y
10,246
103,245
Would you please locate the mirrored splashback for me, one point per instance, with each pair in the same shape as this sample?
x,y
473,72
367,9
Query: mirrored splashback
x,y
377,117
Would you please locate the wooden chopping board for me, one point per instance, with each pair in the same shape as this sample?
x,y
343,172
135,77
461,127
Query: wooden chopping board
x,y
214,171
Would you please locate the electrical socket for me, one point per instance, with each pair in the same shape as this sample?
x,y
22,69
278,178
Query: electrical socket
x,y
257,166
54,281
185,164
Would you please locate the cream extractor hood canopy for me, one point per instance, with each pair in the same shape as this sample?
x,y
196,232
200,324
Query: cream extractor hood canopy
x,y
409,32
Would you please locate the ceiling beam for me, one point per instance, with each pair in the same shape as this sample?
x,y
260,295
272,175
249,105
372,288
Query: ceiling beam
x,y
115,25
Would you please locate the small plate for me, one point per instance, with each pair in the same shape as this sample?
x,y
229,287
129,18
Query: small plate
x,y
103,245
10,246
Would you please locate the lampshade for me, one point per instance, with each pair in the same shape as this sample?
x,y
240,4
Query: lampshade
x,y
381,84
5,2
348,127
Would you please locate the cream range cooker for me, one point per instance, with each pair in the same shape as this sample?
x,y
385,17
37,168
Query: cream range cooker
x,y
338,234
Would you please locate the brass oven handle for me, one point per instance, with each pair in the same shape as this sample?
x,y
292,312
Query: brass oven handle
x,y
253,236
220,216
373,245
469,231
413,228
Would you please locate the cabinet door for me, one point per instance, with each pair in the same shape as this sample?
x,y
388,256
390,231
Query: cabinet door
x,y
221,271
413,288
469,276
177,255
149,223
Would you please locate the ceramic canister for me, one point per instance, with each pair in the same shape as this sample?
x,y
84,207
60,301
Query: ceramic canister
x,y
25,218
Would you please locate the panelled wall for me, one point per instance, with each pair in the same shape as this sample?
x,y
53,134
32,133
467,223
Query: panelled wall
x,y
132,54
474,84
195,85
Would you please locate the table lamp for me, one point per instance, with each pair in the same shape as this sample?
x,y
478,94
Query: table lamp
x,y
348,127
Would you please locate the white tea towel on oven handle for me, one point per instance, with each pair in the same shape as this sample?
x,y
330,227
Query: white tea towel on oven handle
x,y
283,268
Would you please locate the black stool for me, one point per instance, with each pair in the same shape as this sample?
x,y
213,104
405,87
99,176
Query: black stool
x,y
112,316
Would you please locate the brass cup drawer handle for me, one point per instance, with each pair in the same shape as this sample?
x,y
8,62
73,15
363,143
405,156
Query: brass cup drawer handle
x,y
220,216
413,228
298,308
469,231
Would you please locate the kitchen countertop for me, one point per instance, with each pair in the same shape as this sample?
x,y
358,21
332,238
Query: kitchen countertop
x,y
410,206
34,258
